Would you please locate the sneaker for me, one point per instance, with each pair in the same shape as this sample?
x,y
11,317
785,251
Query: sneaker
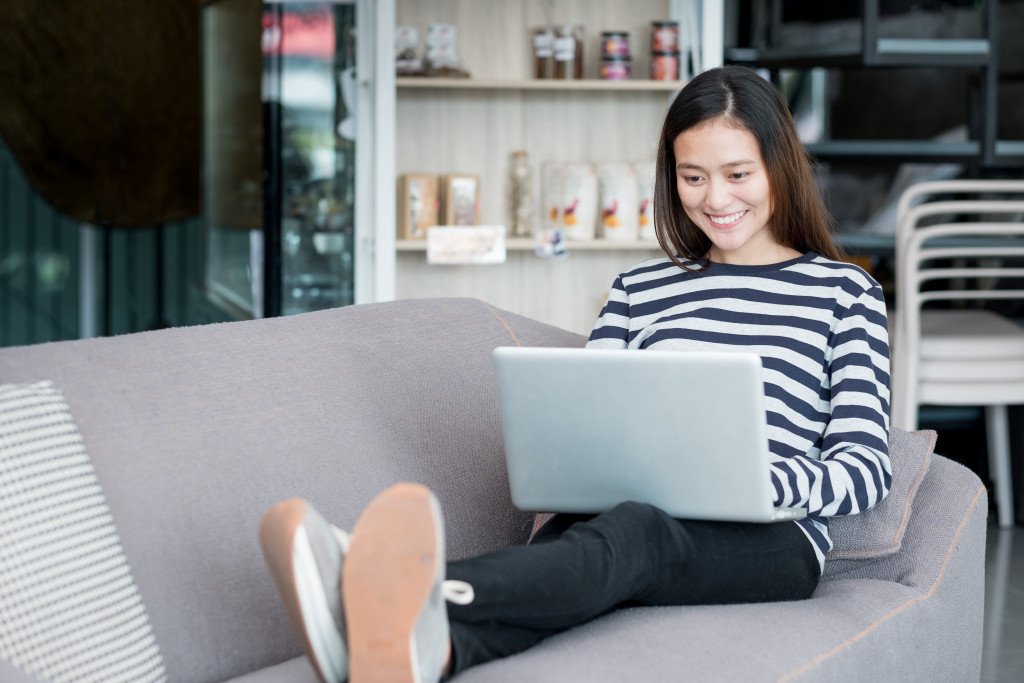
x,y
305,556
395,592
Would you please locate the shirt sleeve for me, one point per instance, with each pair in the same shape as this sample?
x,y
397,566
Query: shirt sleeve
x,y
611,331
854,472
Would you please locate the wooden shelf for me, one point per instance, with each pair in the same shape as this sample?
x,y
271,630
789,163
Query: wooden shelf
x,y
593,84
527,244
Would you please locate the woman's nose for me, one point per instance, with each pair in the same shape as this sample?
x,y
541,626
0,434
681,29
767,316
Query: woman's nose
x,y
719,196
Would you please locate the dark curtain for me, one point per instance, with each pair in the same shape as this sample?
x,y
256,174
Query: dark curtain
x,y
100,104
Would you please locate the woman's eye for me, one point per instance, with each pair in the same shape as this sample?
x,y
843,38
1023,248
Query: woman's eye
x,y
692,179
738,176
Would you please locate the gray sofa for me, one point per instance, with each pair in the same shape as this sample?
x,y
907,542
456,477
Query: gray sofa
x,y
188,435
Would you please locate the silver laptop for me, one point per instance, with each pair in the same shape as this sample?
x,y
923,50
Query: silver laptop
x,y
587,429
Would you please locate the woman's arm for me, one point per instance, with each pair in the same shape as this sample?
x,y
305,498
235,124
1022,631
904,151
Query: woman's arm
x,y
854,472
611,331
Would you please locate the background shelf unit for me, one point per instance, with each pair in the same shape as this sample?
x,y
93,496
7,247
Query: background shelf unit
x,y
867,48
473,125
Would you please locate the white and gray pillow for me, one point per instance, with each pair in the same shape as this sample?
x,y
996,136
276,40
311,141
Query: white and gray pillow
x,y
69,607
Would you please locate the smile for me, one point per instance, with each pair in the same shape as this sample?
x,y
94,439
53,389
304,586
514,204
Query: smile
x,y
725,220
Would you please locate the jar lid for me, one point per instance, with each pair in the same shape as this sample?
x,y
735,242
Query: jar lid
x,y
614,59
665,24
670,53
614,33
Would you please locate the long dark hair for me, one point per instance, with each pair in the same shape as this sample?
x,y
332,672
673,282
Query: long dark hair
x,y
741,98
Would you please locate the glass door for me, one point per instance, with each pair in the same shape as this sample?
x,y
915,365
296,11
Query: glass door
x,y
279,152
309,90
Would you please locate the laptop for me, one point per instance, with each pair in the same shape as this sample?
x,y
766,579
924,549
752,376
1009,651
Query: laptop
x,y
586,429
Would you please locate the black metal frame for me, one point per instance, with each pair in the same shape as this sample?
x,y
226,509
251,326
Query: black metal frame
x,y
272,266
984,149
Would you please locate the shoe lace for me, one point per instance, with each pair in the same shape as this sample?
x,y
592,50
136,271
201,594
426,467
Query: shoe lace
x,y
457,592
342,537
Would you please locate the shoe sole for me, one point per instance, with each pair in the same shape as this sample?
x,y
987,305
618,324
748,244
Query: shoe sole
x,y
389,575
290,559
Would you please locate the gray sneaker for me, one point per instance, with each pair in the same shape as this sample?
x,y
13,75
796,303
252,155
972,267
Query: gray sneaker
x,y
395,592
306,556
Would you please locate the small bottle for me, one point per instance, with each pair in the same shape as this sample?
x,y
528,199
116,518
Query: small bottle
x,y
520,196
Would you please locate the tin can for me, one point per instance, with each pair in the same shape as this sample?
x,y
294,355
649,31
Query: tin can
x,y
664,36
616,68
665,66
614,44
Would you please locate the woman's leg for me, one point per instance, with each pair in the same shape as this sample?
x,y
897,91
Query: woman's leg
x,y
581,568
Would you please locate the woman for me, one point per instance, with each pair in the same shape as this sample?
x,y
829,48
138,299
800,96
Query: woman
x,y
750,266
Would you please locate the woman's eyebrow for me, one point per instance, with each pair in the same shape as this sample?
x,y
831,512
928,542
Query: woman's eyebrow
x,y
731,164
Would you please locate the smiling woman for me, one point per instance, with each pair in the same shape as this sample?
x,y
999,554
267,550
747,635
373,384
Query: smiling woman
x,y
748,268
724,190
735,131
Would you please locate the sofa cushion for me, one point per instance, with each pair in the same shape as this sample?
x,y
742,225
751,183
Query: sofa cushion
x,y
69,608
879,531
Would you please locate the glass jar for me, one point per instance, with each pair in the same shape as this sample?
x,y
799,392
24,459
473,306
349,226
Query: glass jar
x,y
543,53
665,66
664,36
569,52
616,68
614,44
520,195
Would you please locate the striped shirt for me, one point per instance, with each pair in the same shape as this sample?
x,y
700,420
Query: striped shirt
x,y
819,327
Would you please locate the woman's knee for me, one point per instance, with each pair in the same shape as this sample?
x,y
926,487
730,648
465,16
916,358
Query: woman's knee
x,y
635,519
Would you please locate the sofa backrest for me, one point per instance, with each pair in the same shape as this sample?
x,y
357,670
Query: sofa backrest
x,y
195,432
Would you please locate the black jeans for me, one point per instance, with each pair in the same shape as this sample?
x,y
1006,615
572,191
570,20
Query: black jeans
x,y
579,567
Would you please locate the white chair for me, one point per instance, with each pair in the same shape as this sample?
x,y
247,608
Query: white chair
x,y
961,355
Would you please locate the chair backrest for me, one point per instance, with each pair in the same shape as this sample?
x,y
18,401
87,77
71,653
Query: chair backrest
x,y
959,187
983,252
951,250
921,203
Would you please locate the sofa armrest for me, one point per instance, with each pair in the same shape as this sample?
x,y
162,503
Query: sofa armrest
x,y
950,508
942,563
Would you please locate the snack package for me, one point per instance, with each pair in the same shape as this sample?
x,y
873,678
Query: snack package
x,y
418,204
617,197
460,199
442,55
407,45
645,196
579,201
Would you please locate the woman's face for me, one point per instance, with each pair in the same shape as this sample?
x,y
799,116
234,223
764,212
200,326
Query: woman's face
x,y
723,186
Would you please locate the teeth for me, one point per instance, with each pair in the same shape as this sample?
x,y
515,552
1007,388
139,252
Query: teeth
x,y
727,219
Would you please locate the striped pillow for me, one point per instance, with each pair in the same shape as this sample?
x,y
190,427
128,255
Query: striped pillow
x,y
69,607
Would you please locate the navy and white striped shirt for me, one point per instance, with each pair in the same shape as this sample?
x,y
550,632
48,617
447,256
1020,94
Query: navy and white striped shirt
x,y
820,329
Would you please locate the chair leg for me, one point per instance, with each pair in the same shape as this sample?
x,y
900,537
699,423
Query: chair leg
x,y
998,431
903,400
